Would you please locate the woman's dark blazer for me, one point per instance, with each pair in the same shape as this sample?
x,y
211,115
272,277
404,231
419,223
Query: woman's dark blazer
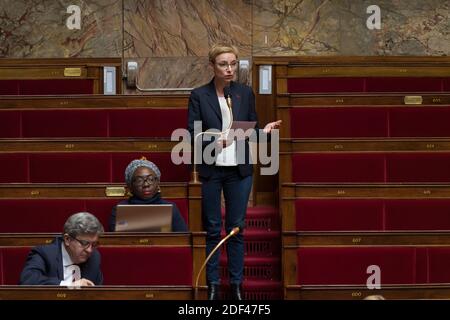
x,y
204,106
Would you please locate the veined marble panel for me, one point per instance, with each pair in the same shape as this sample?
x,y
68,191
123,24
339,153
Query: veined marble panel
x,y
414,28
302,27
338,27
183,28
37,29
175,28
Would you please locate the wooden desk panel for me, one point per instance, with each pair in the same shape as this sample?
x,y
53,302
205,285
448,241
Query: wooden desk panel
x,y
333,292
101,293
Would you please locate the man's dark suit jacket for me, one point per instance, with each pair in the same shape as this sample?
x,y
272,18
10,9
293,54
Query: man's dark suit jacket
x,y
204,106
44,266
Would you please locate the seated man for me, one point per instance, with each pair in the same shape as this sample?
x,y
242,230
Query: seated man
x,y
70,260
142,178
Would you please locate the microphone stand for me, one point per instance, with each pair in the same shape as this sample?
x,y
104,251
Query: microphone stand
x,y
232,233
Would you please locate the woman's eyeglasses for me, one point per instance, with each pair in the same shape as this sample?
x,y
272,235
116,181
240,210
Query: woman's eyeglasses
x,y
140,181
225,65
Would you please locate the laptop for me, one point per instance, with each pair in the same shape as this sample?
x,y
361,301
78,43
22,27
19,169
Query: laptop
x,y
144,218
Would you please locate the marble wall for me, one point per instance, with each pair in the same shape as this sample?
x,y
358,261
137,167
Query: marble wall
x,y
37,29
338,27
170,38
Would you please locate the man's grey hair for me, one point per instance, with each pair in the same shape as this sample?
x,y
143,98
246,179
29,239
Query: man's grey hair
x,y
82,223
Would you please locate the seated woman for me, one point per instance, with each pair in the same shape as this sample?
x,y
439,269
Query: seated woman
x,y
142,178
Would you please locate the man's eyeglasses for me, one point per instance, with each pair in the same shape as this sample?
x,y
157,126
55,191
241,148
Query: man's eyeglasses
x,y
86,243
225,65
141,180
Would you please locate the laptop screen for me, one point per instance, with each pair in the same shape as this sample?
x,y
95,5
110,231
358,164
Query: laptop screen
x,y
144,218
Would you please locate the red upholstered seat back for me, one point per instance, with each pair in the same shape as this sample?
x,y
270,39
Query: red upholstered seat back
x,y
9,124
417,214
337,122
64,123
50,86
338,214
372,214
146,122
120,265
407,167
439,265
367,84
81,167
32,215
403,84
147,265
49,215
348,265
419,121
14,167
337,167
100,123
9,87
418,167
317,85
369,122
70,167
13,262
446,85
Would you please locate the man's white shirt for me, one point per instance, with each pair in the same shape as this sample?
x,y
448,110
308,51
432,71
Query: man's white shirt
x,y
72,272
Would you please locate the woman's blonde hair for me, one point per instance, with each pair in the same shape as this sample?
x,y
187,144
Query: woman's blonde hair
x,y
218,49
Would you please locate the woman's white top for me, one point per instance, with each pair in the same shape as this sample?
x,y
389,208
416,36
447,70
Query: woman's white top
x,y
227,157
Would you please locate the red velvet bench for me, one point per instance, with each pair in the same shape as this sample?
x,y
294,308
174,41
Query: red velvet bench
x,y
121,265
49,215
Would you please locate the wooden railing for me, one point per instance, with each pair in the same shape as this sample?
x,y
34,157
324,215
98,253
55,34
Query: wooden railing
x,y
61,69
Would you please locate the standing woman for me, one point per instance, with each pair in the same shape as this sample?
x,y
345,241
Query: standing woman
x,y
208,105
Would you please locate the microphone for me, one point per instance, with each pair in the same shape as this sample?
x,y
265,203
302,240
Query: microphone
x,y
227,96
